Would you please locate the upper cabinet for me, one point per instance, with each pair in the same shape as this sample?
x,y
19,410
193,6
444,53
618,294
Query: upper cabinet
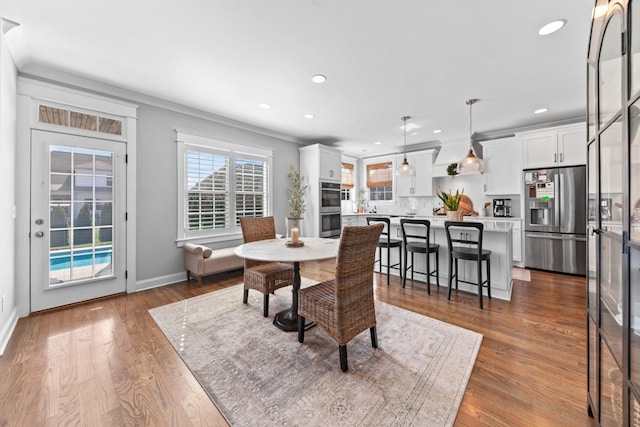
x,y
560,146
502,166
321,162
422,184
330,165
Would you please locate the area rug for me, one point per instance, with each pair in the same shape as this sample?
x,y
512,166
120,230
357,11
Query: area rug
x,y
258,375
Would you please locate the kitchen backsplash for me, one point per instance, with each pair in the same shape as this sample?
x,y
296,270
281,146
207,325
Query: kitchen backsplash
x,y
473,187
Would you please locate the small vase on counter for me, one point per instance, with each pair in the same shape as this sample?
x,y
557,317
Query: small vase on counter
x,y
455,215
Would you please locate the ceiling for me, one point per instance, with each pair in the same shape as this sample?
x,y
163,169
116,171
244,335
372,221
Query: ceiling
x,y
383,60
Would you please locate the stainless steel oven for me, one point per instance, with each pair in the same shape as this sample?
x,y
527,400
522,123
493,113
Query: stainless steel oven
x,y
330,197
330,224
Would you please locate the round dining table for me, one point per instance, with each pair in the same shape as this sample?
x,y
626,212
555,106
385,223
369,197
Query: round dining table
x,y
276,250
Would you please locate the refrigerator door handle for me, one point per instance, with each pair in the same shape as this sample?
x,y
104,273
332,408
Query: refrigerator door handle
x,y
552,236
557,182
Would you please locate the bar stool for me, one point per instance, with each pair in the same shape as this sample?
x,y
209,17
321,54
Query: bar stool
x,y
423,228
472,251
386,242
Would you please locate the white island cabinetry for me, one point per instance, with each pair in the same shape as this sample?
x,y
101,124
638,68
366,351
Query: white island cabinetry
x,y
497,237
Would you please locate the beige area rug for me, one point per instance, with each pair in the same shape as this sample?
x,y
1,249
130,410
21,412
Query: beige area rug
x,y
258,375
521,274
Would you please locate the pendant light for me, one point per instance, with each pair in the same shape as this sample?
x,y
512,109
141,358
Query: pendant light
x,y
405,169
471,163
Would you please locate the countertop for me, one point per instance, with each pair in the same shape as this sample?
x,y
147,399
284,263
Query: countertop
x,y
435,217
490,223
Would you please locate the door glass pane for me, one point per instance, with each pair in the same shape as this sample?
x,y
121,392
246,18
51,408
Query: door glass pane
x,y
592,224
634,340
610,210
634,158
611,162
611,389
593,363
80,200
591,101
610,66
635,412
599,13
634,58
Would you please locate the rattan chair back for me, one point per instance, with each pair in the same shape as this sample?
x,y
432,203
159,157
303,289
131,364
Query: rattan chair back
x,y
254,229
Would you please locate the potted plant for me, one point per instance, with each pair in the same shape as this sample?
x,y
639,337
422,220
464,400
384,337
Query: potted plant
x,y
452,169
362,199
451,202
297,207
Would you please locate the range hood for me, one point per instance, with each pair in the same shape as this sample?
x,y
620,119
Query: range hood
x,y
453,153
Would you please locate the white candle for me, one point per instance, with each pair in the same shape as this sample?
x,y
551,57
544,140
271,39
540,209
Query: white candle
x,y
295,235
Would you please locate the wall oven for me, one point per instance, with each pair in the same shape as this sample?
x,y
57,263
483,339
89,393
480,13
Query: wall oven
x,y
329,197
330,224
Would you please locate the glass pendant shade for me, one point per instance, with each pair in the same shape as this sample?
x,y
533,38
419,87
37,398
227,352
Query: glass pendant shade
x,y
405,169
470,164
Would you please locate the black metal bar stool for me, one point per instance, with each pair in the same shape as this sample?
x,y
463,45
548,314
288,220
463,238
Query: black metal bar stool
x,y
472,251
386,242
419,229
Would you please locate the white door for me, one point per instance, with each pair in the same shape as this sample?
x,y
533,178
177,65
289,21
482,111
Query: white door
x,y
77,228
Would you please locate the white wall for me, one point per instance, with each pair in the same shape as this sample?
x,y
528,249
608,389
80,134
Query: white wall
x,y
8,89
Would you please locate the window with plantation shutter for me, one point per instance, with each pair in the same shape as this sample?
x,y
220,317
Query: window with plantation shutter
x,y
380,181
222,183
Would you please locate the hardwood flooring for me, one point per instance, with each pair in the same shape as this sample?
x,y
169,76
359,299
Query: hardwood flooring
x,y
106,363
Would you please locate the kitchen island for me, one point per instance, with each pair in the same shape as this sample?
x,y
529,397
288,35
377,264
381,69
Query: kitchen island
x,y
497,238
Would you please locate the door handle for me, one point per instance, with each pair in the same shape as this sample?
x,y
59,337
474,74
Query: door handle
x,y
39,234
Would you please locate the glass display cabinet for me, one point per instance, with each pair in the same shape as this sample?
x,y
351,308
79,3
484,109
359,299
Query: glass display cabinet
x,y
613,167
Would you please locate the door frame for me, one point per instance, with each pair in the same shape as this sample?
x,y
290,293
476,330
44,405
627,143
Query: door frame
x,y
31,93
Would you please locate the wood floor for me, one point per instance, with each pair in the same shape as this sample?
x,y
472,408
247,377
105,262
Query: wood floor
x,y
106,362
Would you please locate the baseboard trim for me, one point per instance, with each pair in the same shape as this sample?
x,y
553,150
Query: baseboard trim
x,y
8,329
156,282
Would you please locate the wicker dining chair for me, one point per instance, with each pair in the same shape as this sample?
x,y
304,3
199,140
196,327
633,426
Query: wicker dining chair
x,y
263,276
343,307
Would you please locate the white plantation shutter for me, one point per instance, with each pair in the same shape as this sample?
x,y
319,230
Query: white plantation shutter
x,y
221,183
207,190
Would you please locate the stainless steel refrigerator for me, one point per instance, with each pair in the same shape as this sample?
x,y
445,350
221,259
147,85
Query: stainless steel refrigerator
x,y
555,223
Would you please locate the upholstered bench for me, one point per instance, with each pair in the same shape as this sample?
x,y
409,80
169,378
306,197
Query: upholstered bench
x,y
201,261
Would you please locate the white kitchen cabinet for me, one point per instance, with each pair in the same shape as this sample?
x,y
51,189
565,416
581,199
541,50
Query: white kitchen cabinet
x,y
330,164
502,166
559,146
353,220
422,184
516,237
317,163
320,162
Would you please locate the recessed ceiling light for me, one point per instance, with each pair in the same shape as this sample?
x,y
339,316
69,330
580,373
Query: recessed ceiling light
x,y
541,110
318,78
437,131
377,143
552,27
309,116
264,106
